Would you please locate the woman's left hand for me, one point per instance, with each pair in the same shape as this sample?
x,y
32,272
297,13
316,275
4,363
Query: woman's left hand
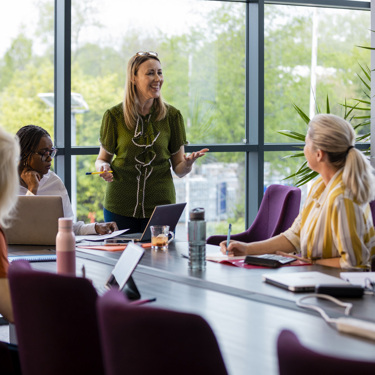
x,y
105,228
190,159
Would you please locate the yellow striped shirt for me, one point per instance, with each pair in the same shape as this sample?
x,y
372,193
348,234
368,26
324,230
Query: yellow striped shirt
x,y
333,224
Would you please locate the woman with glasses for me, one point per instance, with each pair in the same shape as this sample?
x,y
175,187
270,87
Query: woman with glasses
x,y
36,178
140,139
335,227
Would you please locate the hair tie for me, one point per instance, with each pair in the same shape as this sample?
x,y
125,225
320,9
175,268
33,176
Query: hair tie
x,y
349,148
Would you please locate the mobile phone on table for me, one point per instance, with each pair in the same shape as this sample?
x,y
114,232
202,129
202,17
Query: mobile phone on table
x,y
268,260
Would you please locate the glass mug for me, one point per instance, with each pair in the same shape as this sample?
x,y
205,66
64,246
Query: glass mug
x,y
159,237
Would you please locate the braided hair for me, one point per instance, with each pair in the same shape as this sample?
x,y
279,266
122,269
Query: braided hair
x,y
29,138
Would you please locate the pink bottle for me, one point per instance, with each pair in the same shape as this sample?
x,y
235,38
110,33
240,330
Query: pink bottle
x,y
66,248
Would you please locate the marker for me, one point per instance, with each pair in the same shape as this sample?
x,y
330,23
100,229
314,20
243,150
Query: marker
x,y
87,173
142,301
228,237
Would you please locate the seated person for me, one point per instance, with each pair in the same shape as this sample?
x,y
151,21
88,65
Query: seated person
x,y
9,156
36,178
335,226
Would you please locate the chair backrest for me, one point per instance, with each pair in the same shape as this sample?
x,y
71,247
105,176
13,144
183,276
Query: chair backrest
x,y
9,361
56,322
145,340
279,208
372,206
296,359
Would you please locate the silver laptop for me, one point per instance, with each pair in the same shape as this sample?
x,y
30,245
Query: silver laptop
x,y
35,220
168,214
302,281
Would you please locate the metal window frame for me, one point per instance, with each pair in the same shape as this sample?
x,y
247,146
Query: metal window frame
x,y
254,147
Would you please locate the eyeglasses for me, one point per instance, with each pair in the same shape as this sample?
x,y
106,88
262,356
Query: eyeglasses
x,y
48,153
150,53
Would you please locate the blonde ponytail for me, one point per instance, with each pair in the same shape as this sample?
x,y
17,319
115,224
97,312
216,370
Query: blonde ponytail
x,y
336,137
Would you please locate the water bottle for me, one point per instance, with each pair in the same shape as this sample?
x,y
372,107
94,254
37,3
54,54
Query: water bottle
x,y
197,239
66,248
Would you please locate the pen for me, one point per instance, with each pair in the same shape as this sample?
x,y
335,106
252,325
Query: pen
x,y
228,238
83,271
87,173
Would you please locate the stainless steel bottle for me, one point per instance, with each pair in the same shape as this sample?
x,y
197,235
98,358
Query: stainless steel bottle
x,y
197,239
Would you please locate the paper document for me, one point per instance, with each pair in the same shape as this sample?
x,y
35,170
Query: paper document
x,y
219,256
358,278
100,237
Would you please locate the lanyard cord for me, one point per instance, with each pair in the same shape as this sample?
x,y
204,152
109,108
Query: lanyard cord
x,y
324,315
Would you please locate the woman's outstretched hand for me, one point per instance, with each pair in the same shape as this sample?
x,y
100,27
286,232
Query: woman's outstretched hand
x,y
190,159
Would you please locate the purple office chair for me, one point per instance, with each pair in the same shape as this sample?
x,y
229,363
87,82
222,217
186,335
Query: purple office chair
x,y
146,340
296,359
280,206
9,362
372,206
56,322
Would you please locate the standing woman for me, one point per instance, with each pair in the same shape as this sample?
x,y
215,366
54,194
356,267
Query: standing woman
x,y
335,227
147,136
9,158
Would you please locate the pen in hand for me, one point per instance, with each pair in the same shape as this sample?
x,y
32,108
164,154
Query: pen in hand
x,y
228,238
87,173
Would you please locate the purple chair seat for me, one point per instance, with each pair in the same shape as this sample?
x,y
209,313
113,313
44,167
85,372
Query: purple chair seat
x,y
146,340
56,322
296,359
279,208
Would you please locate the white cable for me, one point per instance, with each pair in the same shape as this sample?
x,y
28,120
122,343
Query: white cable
x,y
357,327
347,306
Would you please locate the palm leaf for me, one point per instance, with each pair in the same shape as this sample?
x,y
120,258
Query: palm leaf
x,y
291,134
301,113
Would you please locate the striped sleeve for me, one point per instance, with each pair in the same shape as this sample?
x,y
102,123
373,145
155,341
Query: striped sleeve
x,y
350,228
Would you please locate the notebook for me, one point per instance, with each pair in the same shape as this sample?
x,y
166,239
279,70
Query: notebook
x,y
35,220
302,281
168,214
121,275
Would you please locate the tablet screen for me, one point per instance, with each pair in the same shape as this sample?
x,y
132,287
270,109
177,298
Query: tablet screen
x,y
127,263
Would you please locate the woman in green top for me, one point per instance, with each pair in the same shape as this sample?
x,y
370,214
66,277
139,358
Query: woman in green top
x,y
147,136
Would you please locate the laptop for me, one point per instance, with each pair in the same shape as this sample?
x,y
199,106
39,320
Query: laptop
x,y
168,214
35,220
302,281
121,275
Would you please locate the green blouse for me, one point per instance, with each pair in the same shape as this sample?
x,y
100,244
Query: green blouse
x,y
141,168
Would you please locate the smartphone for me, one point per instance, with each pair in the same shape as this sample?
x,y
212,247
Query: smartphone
x,y
268,260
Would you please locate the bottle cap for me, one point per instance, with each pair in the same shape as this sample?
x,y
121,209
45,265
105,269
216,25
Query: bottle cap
x,y
64,222
197,214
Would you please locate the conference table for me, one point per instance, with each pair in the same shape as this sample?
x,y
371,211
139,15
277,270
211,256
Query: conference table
x,y
245,313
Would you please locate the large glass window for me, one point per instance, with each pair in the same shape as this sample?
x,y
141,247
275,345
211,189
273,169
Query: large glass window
x,y
201,46
26,64
311,53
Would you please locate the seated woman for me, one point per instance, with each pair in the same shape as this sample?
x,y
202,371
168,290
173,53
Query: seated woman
x,y
335,226
36,178
9,156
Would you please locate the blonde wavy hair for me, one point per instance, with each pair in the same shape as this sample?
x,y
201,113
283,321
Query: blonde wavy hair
x,y
336,137
130,95
9,180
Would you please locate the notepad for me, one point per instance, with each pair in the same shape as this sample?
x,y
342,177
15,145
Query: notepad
x,y
33,258
358,278
111,247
